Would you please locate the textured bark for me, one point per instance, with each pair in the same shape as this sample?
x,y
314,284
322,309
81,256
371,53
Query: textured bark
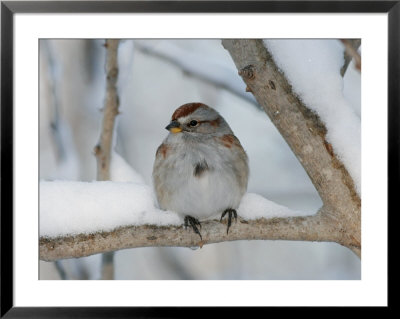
x,y
305,133
103,148
310,228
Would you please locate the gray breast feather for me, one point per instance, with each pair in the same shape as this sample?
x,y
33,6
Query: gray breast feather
x,y
200,168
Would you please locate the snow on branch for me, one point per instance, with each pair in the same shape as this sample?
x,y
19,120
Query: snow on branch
x,y
305,132
83,218
309,228
312,68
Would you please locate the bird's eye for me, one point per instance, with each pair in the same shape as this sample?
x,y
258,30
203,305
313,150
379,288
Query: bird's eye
x,y
193,123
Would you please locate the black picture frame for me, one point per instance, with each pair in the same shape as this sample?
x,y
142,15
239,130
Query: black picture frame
x,y
9,8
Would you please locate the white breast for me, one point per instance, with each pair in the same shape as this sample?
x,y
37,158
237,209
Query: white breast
x,y
202,196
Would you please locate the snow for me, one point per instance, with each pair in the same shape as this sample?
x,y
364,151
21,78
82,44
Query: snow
x,y
71,208
312,67
254,206
352,88
121,171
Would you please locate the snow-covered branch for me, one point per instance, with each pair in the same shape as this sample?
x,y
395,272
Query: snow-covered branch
x,y
306,134
305,228
80,218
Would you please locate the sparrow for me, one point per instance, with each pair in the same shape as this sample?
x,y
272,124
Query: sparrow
x,y
200,169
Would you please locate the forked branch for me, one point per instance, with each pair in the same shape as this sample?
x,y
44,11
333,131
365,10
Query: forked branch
x,y
305,133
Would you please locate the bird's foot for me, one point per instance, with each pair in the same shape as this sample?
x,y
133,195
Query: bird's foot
x,y
193,222
231,212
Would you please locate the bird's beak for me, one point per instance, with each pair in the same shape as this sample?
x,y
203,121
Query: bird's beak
x,y
174,127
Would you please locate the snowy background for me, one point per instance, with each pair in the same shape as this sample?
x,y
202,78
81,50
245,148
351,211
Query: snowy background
x,y
157,76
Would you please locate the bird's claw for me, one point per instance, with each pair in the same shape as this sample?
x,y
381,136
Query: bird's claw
x,y
231,212
193,222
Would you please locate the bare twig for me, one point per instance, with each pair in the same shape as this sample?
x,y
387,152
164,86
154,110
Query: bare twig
x,y
103,148
351,47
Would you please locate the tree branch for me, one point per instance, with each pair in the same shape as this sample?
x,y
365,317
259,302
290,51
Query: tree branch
x,y
310,228
305,133
351,47
103,148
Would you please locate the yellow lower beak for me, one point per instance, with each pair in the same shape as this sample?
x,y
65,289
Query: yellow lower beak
x,y
175,130
174,127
